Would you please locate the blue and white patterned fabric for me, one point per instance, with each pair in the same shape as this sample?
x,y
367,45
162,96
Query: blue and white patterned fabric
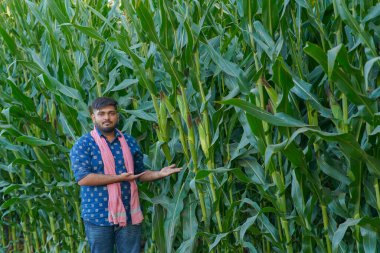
x,y
85,159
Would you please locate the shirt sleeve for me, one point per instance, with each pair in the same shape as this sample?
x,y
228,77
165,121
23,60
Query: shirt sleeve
x,y
138,159
80,159
138,156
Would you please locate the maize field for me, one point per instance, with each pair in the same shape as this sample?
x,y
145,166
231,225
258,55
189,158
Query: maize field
x,y
272,108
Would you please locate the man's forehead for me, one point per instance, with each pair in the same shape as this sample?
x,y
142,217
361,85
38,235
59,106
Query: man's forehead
x,y
106,109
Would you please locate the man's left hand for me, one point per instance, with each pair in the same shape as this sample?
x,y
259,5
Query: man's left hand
x,y
150,175
167,171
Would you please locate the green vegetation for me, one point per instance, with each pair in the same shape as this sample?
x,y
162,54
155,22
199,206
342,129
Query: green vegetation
x,y
272,107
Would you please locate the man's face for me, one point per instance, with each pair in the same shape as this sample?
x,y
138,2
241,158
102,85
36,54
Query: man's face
x,y
105,119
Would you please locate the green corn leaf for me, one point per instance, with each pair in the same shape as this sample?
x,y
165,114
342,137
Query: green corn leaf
x,y
10,188
125,84
373,13
348,145
150,29
22,161
141,114
278,119
147,22
297,195
190,226
229,68
201,174
159,229
332,54
256,172
342,80
270,15
367,68
256,127
303,90
10,202
174,215
70,115
21,97
291,151
34,141
58,10
333,172
217,240
11,43
32,66
355,26
369,240
122,58
248,223
339,233
6,145
68,91
143,78
90,31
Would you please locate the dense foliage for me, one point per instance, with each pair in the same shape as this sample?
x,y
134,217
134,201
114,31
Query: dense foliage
x,y
271,106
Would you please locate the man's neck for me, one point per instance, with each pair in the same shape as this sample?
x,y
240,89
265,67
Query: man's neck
x,y
110,136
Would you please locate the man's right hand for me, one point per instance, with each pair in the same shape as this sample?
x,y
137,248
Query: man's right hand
x,y
101,179
127,176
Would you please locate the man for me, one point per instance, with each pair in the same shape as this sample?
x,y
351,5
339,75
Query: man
x,y
106,164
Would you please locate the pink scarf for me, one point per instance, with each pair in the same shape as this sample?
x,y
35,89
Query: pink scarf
x,y
116,210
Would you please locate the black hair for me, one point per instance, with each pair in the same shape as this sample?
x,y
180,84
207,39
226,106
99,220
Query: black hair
x,y
102,102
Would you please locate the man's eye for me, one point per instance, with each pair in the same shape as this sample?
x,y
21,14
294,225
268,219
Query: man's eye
x,y
112,113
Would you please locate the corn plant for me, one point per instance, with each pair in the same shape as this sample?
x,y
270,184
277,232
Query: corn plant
x,y
271,107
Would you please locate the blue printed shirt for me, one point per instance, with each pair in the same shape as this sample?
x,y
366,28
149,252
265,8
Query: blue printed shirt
x,y
85,159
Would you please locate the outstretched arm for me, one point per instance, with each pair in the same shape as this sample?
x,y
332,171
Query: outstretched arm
x,y
150,175
101,179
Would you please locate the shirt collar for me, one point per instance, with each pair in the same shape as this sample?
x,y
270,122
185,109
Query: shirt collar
x,y
117,134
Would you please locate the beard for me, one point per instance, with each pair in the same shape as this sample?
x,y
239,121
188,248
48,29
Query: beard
x,y
107,129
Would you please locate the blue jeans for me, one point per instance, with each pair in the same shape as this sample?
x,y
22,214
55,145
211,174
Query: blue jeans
x,y
102,239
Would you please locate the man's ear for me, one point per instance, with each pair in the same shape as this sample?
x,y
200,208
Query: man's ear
x,y
93,118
